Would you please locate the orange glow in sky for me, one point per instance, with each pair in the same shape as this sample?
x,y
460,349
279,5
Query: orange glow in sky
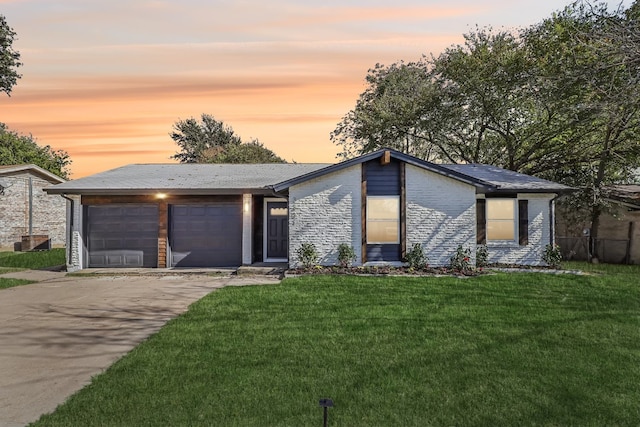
x,y
106,81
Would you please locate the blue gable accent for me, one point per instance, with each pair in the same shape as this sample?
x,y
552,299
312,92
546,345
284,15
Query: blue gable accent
x,y
382,180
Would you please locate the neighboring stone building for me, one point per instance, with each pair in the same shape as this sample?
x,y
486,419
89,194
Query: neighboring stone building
x,y
48,211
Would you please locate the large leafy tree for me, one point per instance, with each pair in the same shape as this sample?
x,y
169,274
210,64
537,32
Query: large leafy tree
x,y
9,58
599,57
211,141
16,149
560,99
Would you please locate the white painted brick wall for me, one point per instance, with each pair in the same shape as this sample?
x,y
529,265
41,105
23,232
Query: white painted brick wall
x,y
441,214
48,211
326,211
74,254
539,235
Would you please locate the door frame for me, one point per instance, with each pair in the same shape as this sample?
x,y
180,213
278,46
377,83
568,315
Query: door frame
x,y
266,229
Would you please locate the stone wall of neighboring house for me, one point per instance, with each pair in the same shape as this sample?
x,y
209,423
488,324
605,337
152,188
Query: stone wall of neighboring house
x,y
613,234
49,211
441,214
539,235
326,211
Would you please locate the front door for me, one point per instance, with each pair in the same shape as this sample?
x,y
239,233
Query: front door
x,y
276,220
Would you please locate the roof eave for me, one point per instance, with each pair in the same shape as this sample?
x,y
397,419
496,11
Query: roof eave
x,y
54,179
559,191
154,191
423,164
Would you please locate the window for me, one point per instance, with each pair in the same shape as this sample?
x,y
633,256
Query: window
x,y
501,219
383,219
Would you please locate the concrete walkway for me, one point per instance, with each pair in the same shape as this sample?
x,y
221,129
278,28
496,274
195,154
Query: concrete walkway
x,y
57,334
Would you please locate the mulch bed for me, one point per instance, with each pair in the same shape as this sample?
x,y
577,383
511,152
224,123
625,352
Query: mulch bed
x,y
407,271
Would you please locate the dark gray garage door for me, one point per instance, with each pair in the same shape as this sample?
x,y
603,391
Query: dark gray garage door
x,y
123,235
206,235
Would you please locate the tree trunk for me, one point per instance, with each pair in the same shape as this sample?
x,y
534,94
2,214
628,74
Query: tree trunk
x,y
596,210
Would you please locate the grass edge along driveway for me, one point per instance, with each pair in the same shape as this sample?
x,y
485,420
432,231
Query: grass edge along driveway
x,y
517,349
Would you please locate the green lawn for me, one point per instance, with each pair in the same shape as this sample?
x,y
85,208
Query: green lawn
x,y
10,283
32,260
17,261
501,350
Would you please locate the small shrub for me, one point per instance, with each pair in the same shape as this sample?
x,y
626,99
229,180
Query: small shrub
x,y
307,255
461,259
482,256
416,257
552,256
346,255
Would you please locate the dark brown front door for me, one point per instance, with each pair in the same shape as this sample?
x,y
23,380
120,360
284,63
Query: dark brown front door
x,y
277,233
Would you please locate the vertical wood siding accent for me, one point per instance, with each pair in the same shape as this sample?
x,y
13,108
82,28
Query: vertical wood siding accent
x,y
383,180
258,232
481,221
363,199
523,222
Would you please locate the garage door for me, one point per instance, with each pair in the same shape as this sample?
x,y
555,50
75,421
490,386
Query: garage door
x,y
207,235
123,235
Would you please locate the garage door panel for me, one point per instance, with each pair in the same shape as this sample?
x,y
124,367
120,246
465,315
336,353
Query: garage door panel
x,y
206,235
122,236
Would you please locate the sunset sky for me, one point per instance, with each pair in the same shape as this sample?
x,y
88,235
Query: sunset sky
x,y
106,80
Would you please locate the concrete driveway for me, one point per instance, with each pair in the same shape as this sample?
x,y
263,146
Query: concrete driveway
x,y
56,334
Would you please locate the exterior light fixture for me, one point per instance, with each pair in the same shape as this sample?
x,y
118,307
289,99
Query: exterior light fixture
x,y
161,196
326,404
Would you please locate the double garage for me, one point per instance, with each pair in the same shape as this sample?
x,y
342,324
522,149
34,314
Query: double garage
x,y
163,233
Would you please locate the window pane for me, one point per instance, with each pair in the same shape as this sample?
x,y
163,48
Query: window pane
x,y
500,230
278,211
382,232
383,208
500,209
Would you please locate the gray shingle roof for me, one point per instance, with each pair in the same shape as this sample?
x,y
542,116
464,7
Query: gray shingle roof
x,y
506,180
203,179
186,178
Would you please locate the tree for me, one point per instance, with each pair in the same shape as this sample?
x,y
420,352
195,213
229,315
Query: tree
x,y
248,152
600,46
16,149
396,110
211,141
9,58
480,102
560,99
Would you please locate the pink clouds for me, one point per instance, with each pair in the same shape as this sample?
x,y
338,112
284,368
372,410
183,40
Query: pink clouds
x,y
106,80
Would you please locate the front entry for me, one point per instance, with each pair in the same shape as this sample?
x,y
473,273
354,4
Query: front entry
x,y
276,237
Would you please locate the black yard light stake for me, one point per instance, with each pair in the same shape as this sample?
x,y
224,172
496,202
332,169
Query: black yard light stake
x,y
326,404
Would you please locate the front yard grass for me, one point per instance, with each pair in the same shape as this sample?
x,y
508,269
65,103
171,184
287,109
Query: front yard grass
x,y
505,349
10,283
32,260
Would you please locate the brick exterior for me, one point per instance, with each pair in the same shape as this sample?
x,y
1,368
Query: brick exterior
x,y
539,235
440,214
326,211
48,210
